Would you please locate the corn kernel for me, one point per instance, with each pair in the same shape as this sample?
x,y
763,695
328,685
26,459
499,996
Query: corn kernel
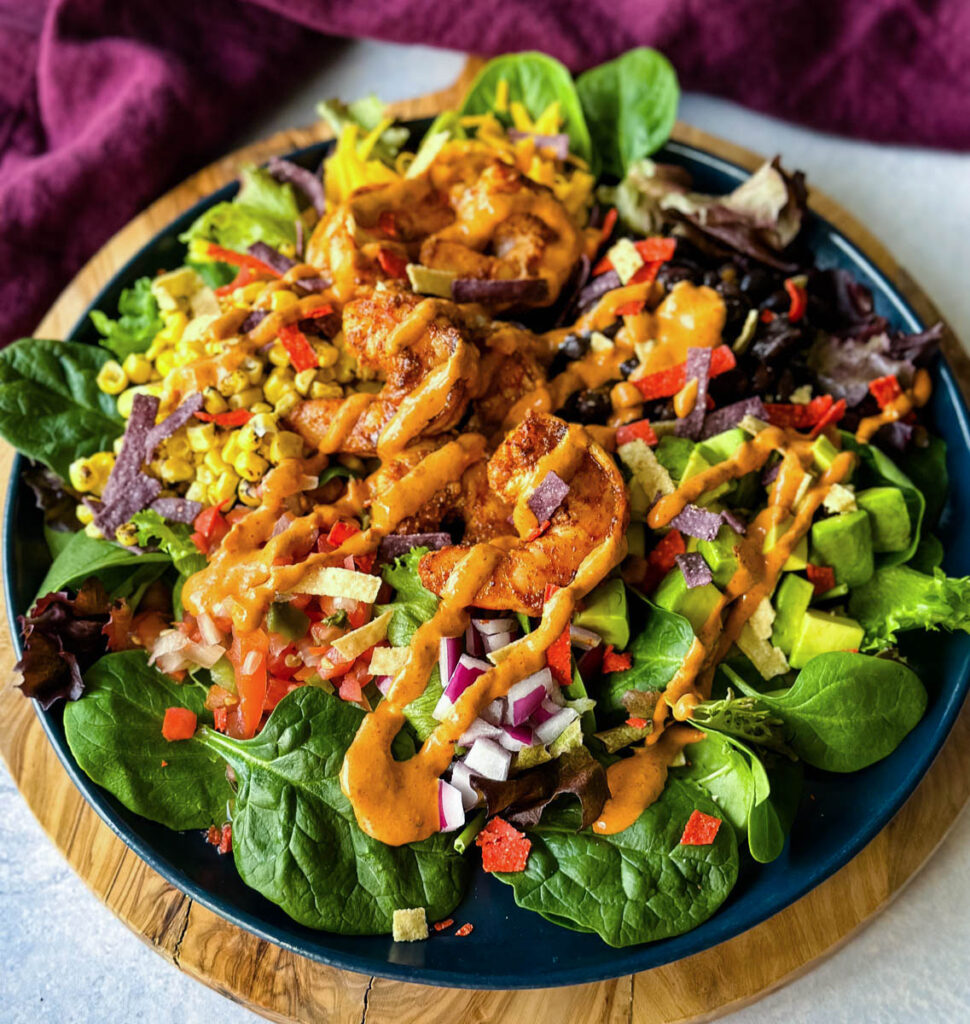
x,y
214,460
285,445
92,531
304,379
196,491
278,355
138,368
126,398
165,362
127,534
232,383
224,489
244,399
248,438
206,476
251,292
112,379
250,466
282,299
277,384
263,423
188,351
201,436
231,448
81,475
117,444
320,389
260,407
84,515
178,446
248,495
353,462
253,369
100,464
176,470
214,402
286,403
327,354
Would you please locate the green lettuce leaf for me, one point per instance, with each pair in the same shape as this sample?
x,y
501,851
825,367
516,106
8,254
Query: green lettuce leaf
x,y
175,539
137,324
367,113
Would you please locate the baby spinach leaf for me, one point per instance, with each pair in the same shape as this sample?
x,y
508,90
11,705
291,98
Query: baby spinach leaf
x,y
877,469
846,711
636,886
295,837
741,718
926,467
137,324
661,642
83,556
722,771
929,554
51,408
535,80
115,734
630,105
898,598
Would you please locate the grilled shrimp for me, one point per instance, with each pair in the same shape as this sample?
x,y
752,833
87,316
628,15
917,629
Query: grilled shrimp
x,y
594,512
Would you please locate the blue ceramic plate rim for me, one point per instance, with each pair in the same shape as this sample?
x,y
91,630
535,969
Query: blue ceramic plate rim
x,y
717,929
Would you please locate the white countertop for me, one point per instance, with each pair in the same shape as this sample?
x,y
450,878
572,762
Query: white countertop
x,y
67,959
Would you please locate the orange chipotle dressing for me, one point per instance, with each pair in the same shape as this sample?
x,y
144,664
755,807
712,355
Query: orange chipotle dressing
x,y
913,398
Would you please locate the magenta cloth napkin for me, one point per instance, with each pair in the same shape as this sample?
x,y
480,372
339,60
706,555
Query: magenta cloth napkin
x,y
103,104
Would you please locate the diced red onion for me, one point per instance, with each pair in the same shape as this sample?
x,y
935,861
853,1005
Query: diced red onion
x,y
466,671
473,642
496,641
449,651
494,713
451,808
488,759
523,698
550,730
544,712
383,683
281,524
478,729
516,737
461,780
584,638
490,626
211,633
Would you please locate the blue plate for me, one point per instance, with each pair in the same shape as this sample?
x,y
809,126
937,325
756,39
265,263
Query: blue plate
x,y
512,948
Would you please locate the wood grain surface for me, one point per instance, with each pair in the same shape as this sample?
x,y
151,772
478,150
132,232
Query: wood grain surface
x,y
286,987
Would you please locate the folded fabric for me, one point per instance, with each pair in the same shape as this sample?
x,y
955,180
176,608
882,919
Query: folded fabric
x,y
104,104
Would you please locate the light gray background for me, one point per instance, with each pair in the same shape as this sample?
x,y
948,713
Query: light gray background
x,y
64,956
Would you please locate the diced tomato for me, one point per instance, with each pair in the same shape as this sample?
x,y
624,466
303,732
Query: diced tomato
x,y
365,562
248,656
146,627
799,300
496,830
279,650
885,390
559,659
613,662
244,276
440,926
219,697
632,431
240,259
220,718
210,527
340,531
829,418
179,724
300,351
822,577
701,829
630,308
339,665
350,690
276,690
637,723
609,222
392,263
359,614
666,383
233,418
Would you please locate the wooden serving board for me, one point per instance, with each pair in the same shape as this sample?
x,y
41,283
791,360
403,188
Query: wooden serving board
x,y
285,987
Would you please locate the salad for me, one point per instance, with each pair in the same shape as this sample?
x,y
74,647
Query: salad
x,y
486,500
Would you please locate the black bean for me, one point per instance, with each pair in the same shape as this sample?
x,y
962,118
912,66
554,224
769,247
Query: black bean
x,y
628,366
590,406
756,284
778,301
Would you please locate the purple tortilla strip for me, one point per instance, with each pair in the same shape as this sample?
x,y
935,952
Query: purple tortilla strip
x,y
396,544
177,510
733,520
306,181
313,284
548,496
697,522
696,571
172,422
271,257
598,287
698,368
769,475
559,143
519,289
300,240
128,489
254,319
731,415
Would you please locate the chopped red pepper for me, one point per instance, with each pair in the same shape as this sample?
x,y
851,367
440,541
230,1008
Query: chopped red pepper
x,y
165,763
637,723
387,224
244,276
799,416
666,383
504,848
655,250
248,655
559,659
551,588
392,263
317,312
538,531
766,316
613,662
822,577
440,926
799,300
648,272
609,222
276,690
885,390
663,558
701,829
467,929
340,531
233,418
297,348
632,431
240,259
179,724
631,308
830,417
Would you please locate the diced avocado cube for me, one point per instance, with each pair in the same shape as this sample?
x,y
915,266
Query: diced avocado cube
x,y
748,491
798,558
673,452
723,446
639,503
889,517
820,633
287,620
823,452
720,554
696,464
792,599
839,590
605,613
845,543
695,604
636,540
223,675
